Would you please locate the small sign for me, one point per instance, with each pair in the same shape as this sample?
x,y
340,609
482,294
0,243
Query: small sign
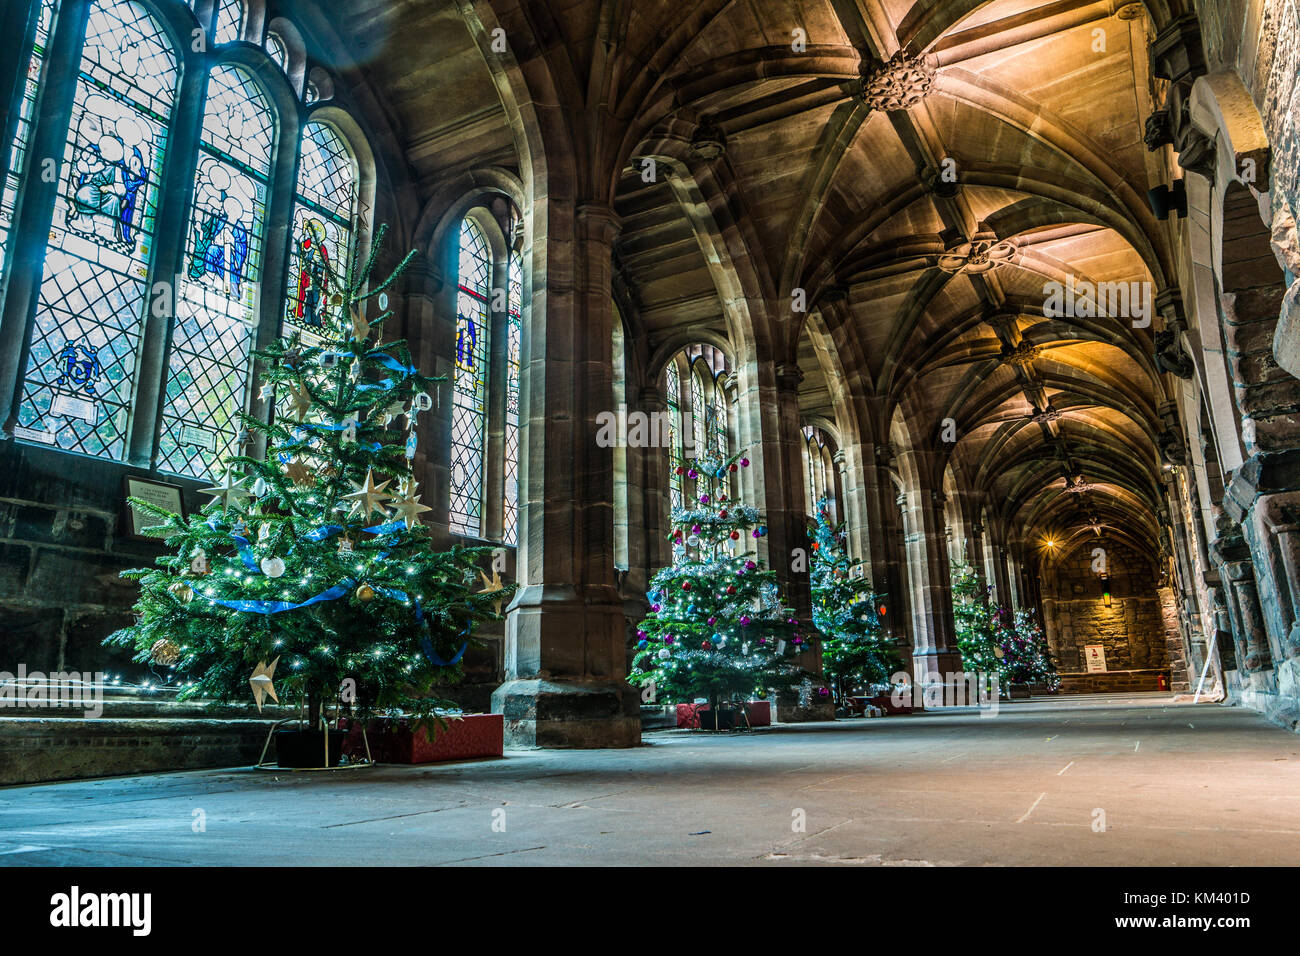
x,y
32,434
199,438
158,493
70,406
1095,654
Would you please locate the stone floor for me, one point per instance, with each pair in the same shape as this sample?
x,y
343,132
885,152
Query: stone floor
x,y
1178,784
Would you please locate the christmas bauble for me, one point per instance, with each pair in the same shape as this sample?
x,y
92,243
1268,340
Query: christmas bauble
x,y
664,653
731,589
164,652
706,645
686,585
693,541
365,592
272,567
735,536
182,592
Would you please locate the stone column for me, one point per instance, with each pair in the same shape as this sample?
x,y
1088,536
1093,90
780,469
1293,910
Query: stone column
x,y
566,663
431,333
1281,516
785,509
934,653
1233,555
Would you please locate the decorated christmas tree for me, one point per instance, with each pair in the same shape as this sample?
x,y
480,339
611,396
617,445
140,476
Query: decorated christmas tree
x,y
977,639
309,577
717,628
1026,657
847,612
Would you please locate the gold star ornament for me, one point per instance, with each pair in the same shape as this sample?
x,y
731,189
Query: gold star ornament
x,y
409,509
229,492
261,683
369,496
493,585
299,401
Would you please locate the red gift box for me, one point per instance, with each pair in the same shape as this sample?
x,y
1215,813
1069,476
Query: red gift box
x,y
392,741
759,713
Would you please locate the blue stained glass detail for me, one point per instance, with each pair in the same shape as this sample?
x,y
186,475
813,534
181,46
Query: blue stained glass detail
x,y
93,286
212,338
469,383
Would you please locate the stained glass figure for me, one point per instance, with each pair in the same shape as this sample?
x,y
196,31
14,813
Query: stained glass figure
x,y
514,333
216,319
321,229
93,288
13,173
469,383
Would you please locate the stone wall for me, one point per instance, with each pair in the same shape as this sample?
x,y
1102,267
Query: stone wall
x,y
63,542
1134,630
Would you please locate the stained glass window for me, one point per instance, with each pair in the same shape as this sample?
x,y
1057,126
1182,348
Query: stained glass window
x,y
80,375
699,409
321,230
673,388
277,51
13,174
230,19
469,382
514,333
719,425
216,311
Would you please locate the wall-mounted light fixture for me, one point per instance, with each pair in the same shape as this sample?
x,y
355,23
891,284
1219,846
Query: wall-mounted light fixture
x,y
1105,591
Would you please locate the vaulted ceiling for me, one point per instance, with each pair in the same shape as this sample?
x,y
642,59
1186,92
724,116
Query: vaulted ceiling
x,y
923,231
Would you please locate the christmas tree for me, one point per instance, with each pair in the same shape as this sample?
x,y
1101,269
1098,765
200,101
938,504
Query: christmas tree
x,y
717,628
310,573
847,612
981,650
1026,657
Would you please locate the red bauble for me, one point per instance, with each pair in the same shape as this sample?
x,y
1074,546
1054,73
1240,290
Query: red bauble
x,y
706,645
733,467
735,536
686,585
681,470
731,589
722,513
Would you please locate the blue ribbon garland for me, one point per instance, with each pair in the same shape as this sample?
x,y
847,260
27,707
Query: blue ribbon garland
x,y
278,607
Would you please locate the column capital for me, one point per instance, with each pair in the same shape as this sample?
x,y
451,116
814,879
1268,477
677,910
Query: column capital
x,y
599,222
789,377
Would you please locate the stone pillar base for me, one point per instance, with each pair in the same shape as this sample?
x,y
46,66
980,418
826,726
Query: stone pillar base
x,y
548,713
788,710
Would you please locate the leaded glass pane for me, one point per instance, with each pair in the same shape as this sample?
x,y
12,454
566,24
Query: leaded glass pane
x,y
80,377
699,409
720,429
514,331
216,319
275,49
321,230
673,389
469,383
230,20
13,174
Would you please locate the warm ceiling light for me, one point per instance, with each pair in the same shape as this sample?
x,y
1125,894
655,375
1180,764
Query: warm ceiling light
x,y
1051,543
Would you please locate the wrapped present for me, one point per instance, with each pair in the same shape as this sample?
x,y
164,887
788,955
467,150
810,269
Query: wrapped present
x,y
467,737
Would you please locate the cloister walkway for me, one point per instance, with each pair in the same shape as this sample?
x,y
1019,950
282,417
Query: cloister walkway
x,y
1084,780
